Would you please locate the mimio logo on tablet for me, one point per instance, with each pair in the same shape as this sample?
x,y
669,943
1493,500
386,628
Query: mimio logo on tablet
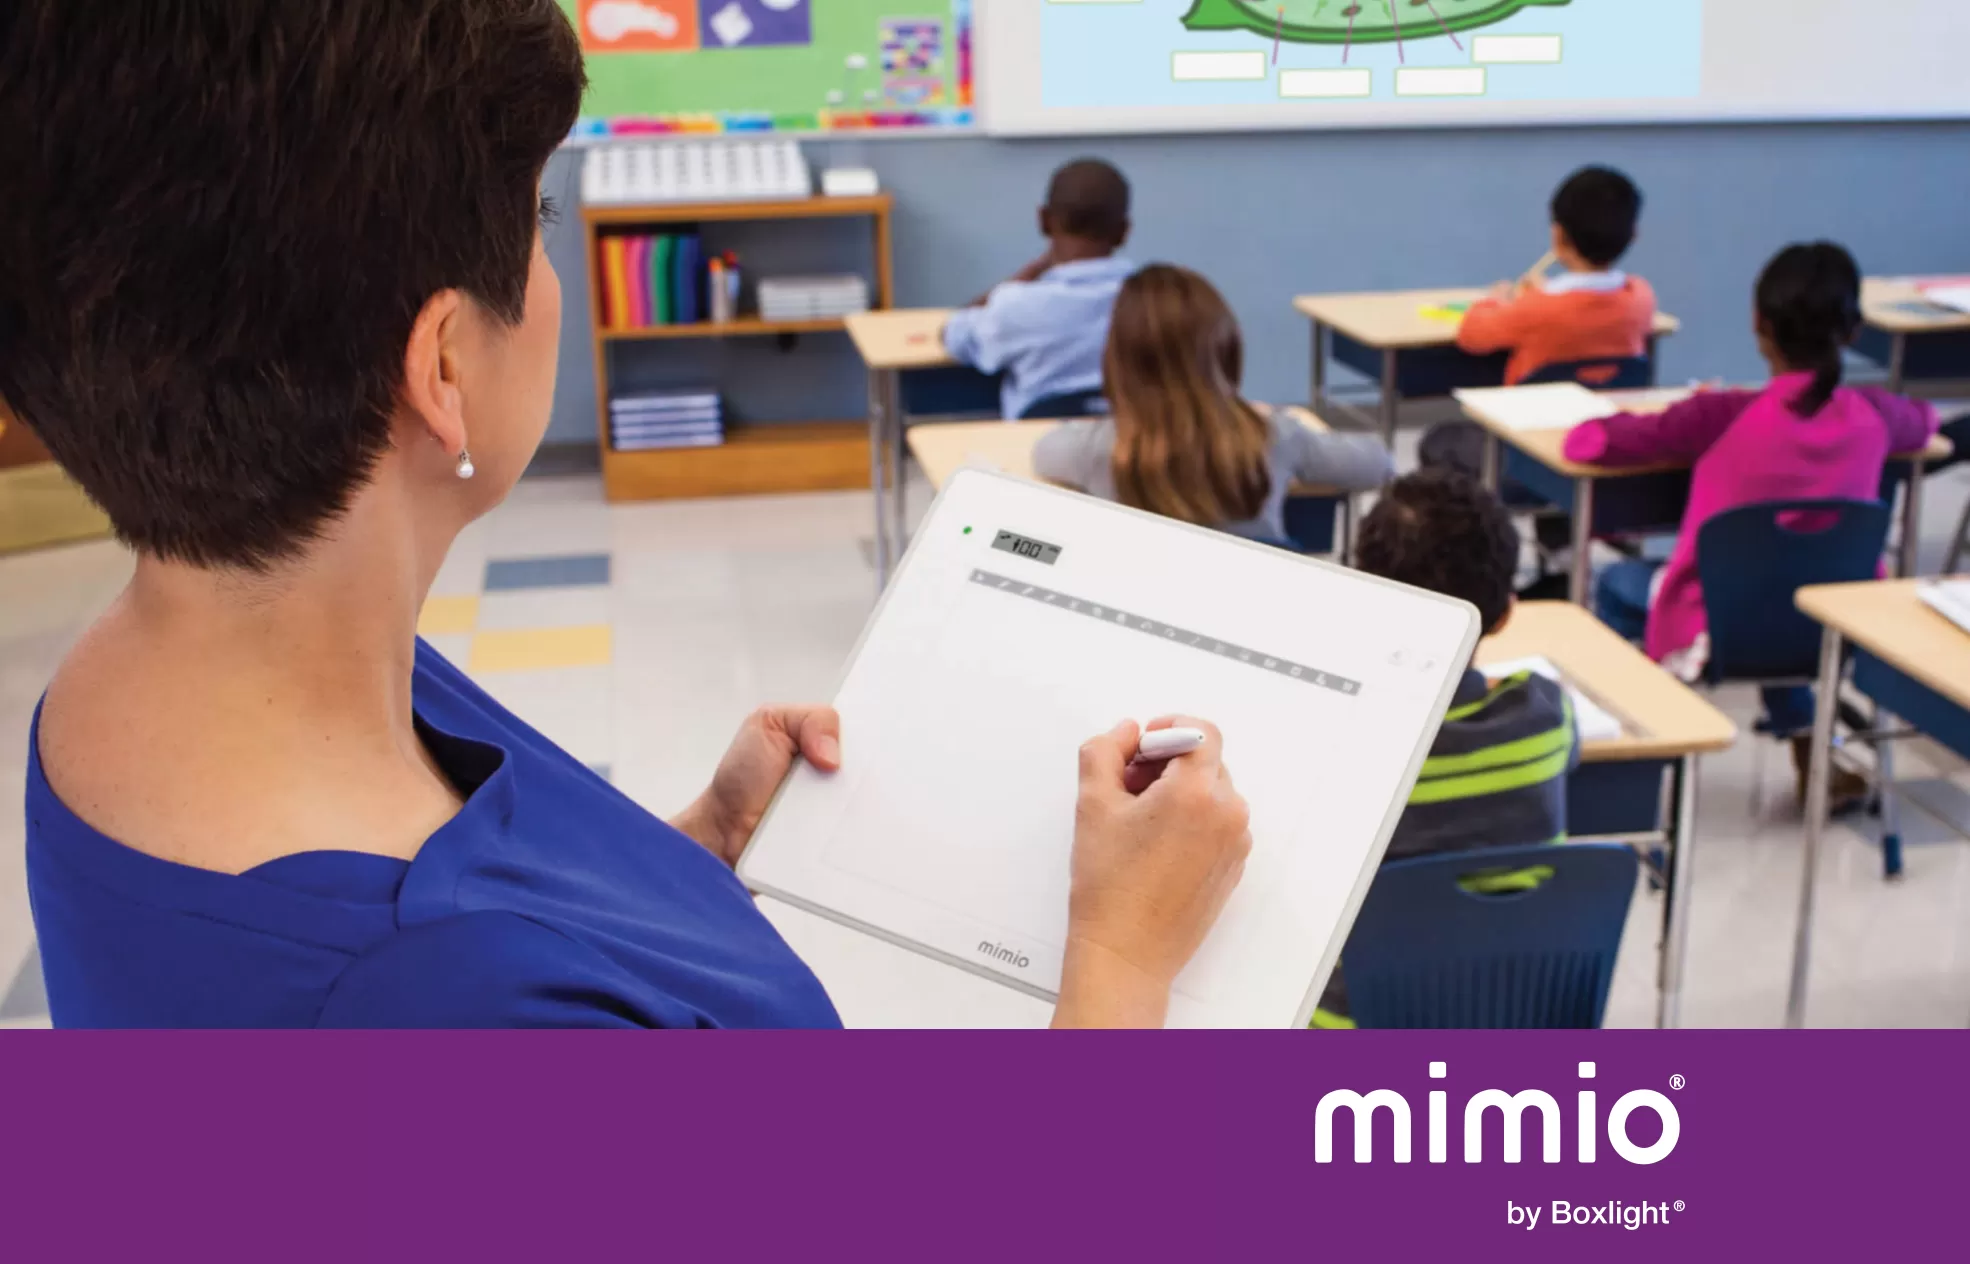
x,y
999,952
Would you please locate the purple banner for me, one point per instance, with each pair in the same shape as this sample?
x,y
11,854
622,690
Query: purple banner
x,y
755,23
1002,1147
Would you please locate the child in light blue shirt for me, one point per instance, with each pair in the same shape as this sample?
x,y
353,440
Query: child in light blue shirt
x,y
1046,327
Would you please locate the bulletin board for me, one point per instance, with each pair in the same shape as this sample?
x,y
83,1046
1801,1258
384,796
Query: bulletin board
x,y
658,67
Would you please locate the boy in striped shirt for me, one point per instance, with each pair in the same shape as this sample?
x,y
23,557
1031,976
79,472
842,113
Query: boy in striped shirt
x,y
1496,774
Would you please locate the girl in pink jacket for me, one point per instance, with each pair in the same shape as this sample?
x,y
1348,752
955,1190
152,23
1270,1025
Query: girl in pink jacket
x,y
1805,436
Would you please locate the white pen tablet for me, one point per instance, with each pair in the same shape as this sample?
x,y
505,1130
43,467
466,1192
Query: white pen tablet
x,y
1025,620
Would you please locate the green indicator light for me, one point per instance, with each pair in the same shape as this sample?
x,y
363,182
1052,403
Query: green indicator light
x,y
967,530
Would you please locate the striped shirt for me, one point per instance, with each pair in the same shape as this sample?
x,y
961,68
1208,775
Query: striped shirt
x,y
1496,777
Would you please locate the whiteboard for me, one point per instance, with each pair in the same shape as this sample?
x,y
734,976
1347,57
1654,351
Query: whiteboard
x,y
1101,66
1026,620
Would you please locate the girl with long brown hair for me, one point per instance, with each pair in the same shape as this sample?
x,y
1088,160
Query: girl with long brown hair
x,y
1181,440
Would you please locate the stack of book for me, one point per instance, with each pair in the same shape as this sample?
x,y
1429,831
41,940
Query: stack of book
x,y
691,418
812,298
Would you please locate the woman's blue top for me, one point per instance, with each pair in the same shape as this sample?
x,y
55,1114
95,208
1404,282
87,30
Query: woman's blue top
x,y
550,900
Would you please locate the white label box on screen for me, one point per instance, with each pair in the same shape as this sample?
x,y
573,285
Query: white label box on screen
x,y
1025,620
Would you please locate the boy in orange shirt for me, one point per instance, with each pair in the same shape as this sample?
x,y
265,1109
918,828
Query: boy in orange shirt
x,y
1591,311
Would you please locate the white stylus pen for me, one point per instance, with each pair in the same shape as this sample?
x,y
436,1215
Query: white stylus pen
x,y
1161,745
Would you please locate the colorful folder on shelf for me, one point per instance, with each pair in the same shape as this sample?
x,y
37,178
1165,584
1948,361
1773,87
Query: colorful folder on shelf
x,y
663,265
615,282
689,264
650,279
637,264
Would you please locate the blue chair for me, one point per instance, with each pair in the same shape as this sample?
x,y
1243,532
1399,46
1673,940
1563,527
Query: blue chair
x,y
1752,561
1614,373
1067,406
1435,947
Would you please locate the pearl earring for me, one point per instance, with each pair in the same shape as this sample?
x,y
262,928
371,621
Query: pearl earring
x,y
465,467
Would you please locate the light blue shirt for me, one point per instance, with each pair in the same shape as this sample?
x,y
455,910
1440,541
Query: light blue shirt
x,y
1586,282
1047,336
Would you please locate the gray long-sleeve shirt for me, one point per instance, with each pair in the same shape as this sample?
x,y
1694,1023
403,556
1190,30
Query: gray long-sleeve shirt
x,y
1082,454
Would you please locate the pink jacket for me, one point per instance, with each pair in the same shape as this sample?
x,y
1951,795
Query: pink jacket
x,y
1746,447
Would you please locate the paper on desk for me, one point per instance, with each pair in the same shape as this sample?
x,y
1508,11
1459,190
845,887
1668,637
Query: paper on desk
x,y
1956,297
1595,723
1559,406
1446,313
1949,598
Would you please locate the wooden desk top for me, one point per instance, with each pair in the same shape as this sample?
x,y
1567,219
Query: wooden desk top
x,y
1548,446
1394,318
1664,718
944,449
911,339
1896,305
1888,620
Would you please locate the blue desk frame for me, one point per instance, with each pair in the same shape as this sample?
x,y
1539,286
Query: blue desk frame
x,y
1431,372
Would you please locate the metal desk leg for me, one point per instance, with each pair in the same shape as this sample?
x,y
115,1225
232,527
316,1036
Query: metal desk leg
x,y
1676,900
1319,367
1891,808
1580,588
1959,543
1344,531
1897,362
879,394
899,470
1390,404
1492,463
1910,556
1828,706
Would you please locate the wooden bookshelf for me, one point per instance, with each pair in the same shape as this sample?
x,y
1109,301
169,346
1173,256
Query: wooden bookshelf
x,y
748,328
799,456
756,458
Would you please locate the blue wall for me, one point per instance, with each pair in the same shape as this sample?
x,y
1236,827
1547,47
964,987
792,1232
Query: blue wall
x,y
1268,216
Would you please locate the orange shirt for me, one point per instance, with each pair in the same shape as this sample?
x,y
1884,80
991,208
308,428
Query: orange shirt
x,y
1540,328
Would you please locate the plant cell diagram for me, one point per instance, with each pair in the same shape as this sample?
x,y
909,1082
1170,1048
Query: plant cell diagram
x,y
1347,22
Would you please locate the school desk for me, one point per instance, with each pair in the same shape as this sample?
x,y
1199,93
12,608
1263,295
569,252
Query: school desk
x,y
1913,663
1319,519
1915,339
1407,341
1609,500
1616,794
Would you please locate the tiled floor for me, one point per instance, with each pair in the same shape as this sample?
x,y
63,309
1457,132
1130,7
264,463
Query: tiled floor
x,y
639,636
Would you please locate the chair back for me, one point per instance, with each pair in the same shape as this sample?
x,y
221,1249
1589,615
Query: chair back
x,y
1068,406
1615,373
1501,937
1753,559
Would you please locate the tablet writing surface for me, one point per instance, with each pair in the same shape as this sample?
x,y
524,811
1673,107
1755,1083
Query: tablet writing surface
x,y
951,827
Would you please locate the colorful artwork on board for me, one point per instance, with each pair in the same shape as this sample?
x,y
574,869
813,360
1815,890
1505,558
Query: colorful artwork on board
x,y
708,67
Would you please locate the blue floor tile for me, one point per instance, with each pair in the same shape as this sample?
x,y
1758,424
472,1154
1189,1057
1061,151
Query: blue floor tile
x,y
578,571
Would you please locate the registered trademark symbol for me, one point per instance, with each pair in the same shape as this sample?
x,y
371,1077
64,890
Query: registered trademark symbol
x,y
1677,1082
1679,1204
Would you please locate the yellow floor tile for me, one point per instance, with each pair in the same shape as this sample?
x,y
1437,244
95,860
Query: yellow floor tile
x,y
445,616
542,649
40,505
